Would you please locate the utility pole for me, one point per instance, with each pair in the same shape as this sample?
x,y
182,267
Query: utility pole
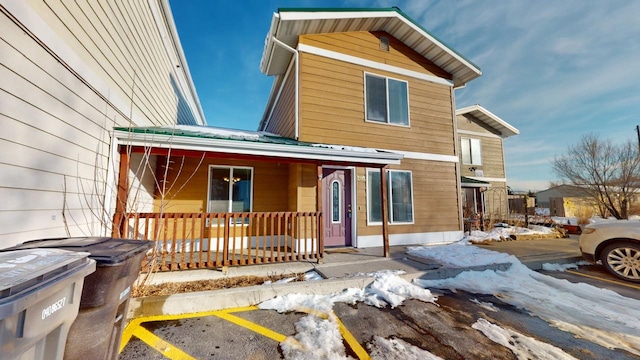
x,y
638,131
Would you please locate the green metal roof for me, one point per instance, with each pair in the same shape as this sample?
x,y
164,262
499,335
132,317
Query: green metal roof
x,y
215,133
231,141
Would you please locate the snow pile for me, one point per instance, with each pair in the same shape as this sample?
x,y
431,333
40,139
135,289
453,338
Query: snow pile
x,y
461,254
598,315
502,233
392,349
317,335
524,347
563,267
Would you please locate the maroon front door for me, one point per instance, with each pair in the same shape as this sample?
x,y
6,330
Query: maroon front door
x,y
336,206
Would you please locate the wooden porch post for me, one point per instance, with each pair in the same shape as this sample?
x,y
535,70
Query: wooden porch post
x,y
119,225
319,210
385,211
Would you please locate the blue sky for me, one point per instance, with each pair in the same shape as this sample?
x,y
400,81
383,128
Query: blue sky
x,y
556,70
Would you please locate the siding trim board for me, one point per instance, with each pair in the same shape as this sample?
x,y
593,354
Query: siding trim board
x,y
431,238
372,64
426,156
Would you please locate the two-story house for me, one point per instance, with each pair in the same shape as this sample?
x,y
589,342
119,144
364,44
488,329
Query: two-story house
x,y
484,177
357,147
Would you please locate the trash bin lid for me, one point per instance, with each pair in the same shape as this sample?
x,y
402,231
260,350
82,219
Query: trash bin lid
x,y
25,269
106,251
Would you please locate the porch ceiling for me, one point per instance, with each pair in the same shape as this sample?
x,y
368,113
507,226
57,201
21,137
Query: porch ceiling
x,y
467,182
288,24
249,144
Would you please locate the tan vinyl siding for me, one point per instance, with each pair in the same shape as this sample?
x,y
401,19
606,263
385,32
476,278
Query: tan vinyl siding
x,y
56,116
366,45
122,44
435,199
332,110
282,120
187,183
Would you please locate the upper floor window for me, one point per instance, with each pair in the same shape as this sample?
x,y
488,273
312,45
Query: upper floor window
x,y
470,149
387,100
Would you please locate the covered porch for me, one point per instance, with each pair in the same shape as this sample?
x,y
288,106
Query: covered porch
x,y
213,198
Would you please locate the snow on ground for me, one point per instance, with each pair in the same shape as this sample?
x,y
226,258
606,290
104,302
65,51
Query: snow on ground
x,y
524,347
393,349
598,315
504,232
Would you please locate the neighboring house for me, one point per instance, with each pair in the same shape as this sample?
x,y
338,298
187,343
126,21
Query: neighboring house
x,y
71,72
567,201
482,166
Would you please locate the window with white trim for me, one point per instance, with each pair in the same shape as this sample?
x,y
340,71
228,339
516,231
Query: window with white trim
x,y
471,154
399,196
230,189
386,99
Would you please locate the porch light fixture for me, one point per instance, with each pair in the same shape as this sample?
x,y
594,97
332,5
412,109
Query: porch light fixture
x,y
235,179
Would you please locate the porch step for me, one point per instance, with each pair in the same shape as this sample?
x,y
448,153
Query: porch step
x,y
409,264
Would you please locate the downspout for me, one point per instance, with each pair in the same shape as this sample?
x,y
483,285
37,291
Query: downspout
x,y
297,55
456,149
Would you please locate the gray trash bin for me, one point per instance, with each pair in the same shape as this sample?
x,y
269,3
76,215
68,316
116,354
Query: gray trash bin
x,y
106,293
40,292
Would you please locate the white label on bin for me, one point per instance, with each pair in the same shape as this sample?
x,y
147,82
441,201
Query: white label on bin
x,y
51,309
125,292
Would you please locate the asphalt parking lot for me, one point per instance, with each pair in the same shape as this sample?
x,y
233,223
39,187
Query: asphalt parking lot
x,y
443,329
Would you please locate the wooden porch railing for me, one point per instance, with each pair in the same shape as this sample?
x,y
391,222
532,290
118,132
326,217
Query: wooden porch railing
x,y
214,240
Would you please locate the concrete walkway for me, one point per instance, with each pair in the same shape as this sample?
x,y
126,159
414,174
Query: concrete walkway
x,y
342,268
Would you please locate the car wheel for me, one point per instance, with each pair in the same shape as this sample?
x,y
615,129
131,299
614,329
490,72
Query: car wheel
x,y
623,260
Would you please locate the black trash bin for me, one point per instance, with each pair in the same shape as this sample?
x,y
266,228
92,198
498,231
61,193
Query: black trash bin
x,y
96,332
40,293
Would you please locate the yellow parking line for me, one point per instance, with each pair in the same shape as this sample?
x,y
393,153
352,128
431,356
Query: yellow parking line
x,y
166,349
135,328
252,326
604,279
351,340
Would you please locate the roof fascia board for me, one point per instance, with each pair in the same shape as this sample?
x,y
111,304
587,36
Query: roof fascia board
x,y
253,148
477,133
473,108
320,14
372,64
194,101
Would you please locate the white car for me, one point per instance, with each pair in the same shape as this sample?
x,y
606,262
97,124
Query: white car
x,y
616,244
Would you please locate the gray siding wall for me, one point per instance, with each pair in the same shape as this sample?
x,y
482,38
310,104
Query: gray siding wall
x,y
70,72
